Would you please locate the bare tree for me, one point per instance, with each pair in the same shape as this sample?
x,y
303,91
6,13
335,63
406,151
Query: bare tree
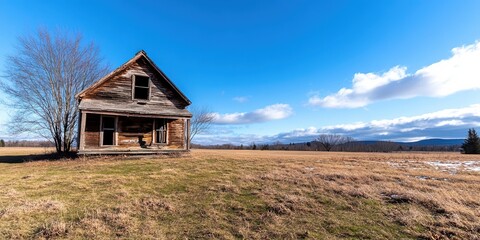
x,y
201,121
328,141
42,79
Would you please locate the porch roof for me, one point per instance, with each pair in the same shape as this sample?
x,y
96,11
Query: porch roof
x,y
133,108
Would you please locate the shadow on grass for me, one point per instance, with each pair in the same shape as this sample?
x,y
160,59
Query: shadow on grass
x,y
37,157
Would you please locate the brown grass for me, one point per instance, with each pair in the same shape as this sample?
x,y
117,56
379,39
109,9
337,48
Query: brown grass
x,y
18,151
231,194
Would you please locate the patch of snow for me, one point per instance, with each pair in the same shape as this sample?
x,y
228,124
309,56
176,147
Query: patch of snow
x,y
453,166
393,164
476,169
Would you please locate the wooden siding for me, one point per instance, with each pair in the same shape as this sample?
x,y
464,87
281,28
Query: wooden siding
x,y
92,131
176,134
118,90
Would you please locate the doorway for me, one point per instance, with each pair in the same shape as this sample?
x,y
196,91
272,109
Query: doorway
x,y
108,129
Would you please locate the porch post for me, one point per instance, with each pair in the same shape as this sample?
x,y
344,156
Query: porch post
x,y
81,138
188,134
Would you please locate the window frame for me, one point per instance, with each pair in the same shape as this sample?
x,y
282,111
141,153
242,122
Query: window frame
x,y
134,76
156,131
115,132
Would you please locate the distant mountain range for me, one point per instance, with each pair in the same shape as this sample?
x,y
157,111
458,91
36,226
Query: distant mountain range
x,y
426,142
436,142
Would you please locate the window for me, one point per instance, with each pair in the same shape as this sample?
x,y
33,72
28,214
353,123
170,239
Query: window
x,y
108,129
161,131
141,88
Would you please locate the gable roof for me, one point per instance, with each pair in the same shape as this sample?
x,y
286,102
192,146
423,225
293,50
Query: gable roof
x,y
137,56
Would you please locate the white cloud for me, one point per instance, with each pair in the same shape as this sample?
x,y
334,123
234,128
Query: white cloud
x,y
268,113
240,99
448,123
458,73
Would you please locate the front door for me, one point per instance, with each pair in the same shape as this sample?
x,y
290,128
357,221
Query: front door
x,y
108,128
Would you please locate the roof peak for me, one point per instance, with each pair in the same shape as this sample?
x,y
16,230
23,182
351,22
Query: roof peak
x,y
123,66
142,52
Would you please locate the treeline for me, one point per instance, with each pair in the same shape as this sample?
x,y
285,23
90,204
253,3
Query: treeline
x,y
380,146
25,143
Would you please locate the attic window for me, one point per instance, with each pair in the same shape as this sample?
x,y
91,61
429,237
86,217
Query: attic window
x,y
141,89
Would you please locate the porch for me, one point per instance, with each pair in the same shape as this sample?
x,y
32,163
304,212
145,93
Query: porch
x,y
111,133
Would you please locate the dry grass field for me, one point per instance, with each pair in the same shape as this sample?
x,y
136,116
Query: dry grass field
x,y
230,194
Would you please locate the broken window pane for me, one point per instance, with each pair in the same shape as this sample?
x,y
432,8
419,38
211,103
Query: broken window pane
x,y
161,131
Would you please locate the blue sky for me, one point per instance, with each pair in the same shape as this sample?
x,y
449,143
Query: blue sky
x,y
290,70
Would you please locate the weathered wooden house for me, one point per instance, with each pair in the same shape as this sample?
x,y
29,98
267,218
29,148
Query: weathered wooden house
x,y
134,109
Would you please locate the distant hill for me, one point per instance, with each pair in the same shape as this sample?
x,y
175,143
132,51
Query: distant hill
x,y
435,142
426,142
